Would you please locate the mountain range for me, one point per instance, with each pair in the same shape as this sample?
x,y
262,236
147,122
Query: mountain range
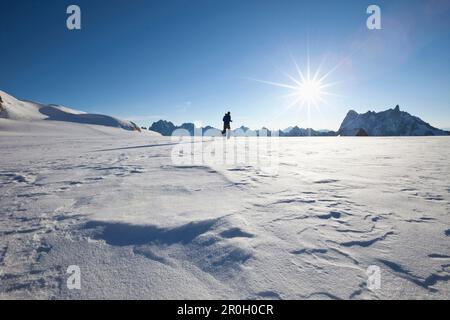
x,y
166,128
391,122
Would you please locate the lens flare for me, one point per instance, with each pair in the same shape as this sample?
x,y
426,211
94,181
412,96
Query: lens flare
x,y
306,89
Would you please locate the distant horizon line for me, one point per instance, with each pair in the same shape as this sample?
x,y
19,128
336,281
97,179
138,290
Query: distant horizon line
x,y
149,117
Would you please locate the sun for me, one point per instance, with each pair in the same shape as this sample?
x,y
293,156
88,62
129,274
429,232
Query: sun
x,y
310,91
307,89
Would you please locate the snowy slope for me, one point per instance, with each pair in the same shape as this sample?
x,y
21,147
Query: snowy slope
x,y
21,110
139,227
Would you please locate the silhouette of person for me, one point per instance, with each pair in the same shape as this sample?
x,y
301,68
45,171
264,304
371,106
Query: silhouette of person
x,y
227,122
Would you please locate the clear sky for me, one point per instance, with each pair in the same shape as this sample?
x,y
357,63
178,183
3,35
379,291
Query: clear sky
x,y
192,60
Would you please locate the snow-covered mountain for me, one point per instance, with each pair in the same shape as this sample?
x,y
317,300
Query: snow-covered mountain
x,y
22,110
288,129
392,122
166,128
305,132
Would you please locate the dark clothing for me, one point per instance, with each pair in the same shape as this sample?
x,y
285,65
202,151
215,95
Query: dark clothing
x,y
226,123
225,127
227,119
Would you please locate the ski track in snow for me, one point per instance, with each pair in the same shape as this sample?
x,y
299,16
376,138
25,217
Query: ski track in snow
x,y
140,227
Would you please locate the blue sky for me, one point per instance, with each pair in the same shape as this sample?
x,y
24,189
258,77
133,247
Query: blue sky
x,y
190,61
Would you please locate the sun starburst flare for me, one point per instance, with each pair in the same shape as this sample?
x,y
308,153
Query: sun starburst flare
x,y
306,89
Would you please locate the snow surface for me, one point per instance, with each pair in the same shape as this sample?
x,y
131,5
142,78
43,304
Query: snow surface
x,y
139,227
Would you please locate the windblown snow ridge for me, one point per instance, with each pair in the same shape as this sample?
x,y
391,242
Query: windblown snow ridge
x,y
212,245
